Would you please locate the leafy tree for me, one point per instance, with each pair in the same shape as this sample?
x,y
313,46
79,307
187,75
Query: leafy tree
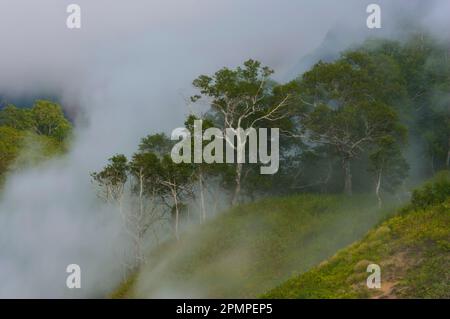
x,y
44,118
10,145
170,181
112,179
17,118
242,98
48,119
387,165
348,107
425,66
177,179
159,144
204,173
144,167
19,149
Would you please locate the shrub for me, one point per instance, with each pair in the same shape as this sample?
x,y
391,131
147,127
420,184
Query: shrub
x,y
434,192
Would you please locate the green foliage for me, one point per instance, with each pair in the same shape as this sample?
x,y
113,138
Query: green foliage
x,y
19,149
227,84
144,167
155,180
244,98
351,111
424,64
387,162
10,145
432,193
339,121
159,144
115,173
412,249
29,136
44,118
17,118
410,80
49,120
177,174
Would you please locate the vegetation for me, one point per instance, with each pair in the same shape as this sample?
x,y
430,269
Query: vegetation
x,y
254,247
345,127
44,118
31,135
412,250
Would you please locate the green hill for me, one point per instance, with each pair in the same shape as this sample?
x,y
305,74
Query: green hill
x,y
254,247
412,249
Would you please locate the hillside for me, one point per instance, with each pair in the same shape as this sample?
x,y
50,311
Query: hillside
x,y
412,249
254,247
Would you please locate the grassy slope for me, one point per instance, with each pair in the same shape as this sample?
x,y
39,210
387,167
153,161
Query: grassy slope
x,y
412,249
254,247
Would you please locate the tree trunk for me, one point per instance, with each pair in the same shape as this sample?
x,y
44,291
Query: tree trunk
x,y
347,176
327,178
139,239
378,188
433,170
141,195
177,214
202,198
237,190
448,154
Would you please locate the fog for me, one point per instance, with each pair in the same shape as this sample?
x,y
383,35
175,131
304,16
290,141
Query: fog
x,y
127,73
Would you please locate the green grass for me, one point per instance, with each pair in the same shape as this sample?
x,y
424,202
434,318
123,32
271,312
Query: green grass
x,y
412,249
124,288
254,247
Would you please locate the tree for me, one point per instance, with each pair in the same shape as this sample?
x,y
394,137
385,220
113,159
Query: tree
x,y
10,145
112,179
20,149
158,144
177,179
44,118
241,99
48,119
387,165
150,175
169,181
17,118
143,169
348,107
424,64
202,171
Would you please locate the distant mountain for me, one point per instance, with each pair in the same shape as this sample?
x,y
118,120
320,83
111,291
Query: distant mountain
x,y
343,37
335,41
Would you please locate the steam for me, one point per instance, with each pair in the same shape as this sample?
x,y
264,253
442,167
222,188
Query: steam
x,y
124,75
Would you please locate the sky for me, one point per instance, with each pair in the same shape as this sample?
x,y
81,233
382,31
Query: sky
x,y
125,74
